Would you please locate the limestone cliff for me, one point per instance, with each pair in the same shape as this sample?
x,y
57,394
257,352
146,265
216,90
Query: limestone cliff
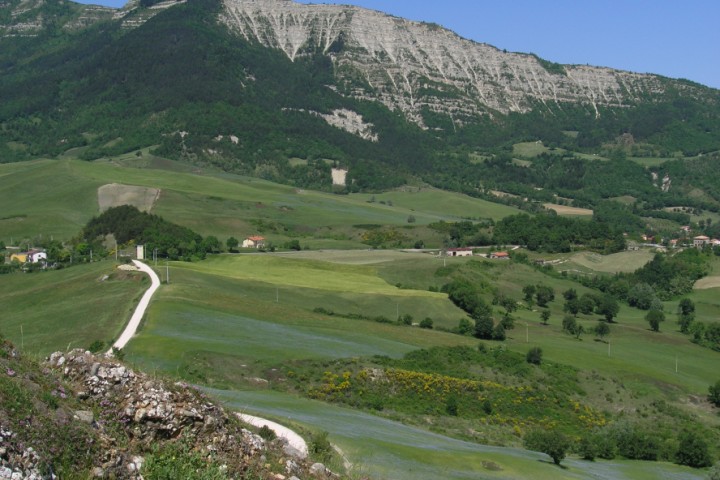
x,y
416,67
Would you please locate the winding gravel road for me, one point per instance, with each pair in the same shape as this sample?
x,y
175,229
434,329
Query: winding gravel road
x,y
134,323
293,439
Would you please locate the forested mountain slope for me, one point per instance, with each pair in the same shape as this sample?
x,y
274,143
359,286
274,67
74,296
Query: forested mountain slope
x,y
249,85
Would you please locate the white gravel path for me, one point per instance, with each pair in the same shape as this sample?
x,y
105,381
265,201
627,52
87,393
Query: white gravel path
x,y
294,440
134,323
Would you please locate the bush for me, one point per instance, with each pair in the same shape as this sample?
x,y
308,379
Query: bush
x,y
714,394
96,346
267,433
427,322
320,447
714,473
176,460
693,451
534,356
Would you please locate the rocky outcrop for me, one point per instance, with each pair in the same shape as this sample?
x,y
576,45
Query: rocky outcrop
x,y
418,67
132,414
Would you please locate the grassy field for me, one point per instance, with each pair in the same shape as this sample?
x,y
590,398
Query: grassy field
x,y
49,311
63,196
390,450
628,261
651,161
568,211
222,315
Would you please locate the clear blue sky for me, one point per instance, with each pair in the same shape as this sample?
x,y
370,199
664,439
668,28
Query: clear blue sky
x,y
675,38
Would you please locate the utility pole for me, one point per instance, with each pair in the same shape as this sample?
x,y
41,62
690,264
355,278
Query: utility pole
x,y
277,294
527,333
167,272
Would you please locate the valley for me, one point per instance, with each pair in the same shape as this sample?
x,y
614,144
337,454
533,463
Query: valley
x,y
243,325
431,257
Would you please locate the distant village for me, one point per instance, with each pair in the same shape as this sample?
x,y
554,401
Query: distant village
x,y
37,258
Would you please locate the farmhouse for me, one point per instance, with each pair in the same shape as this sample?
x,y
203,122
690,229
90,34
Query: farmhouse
x,y
700,241
254,242
500,255
31,256
459,252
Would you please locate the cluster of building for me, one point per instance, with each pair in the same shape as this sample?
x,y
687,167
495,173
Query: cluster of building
x,y
468,252
31,256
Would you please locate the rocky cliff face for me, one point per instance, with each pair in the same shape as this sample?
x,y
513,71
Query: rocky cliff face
x,y
417,67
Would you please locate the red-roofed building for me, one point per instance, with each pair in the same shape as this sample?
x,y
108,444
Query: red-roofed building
x,y
500,255
254,242
700,241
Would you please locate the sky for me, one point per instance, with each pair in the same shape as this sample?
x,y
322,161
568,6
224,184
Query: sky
x,y
674,38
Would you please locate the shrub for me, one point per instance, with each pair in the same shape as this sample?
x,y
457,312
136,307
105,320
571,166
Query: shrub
x,y
320,447
176,460
534,356
693,451
267,433
714,473
427,322
714,394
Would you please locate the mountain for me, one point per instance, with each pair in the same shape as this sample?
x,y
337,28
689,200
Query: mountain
x,y
249,85
415,67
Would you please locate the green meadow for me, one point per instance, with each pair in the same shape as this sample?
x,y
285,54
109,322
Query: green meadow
x,y
48,311
57,197
229,322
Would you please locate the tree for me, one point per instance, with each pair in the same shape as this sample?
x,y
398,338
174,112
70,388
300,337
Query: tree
x,y
544,295
570,294
465,327
550,442
569,324
534,356
586,304
484,327
529,292
545,316
406,319
608,307
232,244
211,244
686,314
293,244
572,306
686,307
693,451
642,296
427,322
499,332
654,318
714,394
602,329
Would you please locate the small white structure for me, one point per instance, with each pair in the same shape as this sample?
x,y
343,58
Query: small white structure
x,y
254,242
459,252
700,241
36,256
140,252
339,176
